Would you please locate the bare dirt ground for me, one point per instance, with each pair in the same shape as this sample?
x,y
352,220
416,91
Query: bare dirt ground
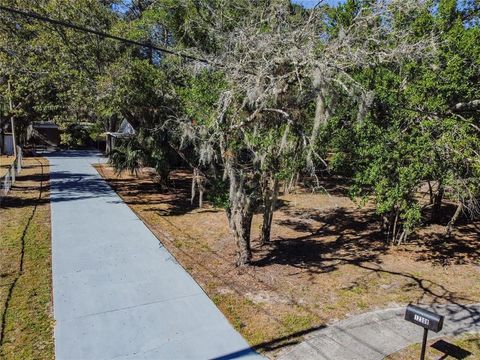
x,y
327,259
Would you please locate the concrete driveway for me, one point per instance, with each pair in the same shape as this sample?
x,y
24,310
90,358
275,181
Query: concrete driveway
x,y
118,293
376,334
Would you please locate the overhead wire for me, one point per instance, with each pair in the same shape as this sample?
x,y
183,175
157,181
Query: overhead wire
x,y
67,24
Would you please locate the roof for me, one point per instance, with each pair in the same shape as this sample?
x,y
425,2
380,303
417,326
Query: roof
x,y
45,125
118,134
126,128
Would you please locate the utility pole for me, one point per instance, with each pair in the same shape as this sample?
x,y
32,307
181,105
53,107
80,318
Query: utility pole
x,y
12,118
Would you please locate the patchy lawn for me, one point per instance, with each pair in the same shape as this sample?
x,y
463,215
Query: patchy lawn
x,y
25,266
326,261
464,347
5,163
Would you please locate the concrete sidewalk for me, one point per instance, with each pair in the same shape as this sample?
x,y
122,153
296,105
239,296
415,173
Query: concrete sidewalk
x,y
374,335
118,293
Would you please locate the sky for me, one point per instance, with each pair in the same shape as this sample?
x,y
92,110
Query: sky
x,y
306,3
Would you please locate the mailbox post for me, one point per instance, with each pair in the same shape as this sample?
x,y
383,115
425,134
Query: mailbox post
x,y
426,319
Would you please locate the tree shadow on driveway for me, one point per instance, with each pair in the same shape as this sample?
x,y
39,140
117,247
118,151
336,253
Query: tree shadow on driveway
x,y
71,186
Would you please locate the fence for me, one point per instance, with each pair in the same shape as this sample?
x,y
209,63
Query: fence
x,y
8,179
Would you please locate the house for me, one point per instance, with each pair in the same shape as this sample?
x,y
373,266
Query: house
x,y
6,139
44,133
125,130
6,143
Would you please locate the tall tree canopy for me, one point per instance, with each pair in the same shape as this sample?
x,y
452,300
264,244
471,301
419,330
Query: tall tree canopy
x,y
384,92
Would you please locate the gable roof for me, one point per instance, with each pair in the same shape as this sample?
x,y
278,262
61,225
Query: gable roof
x,y
126,128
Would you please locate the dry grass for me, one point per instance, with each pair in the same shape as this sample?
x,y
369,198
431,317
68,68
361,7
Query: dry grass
x,y
5,163
327,260
25,268
470,343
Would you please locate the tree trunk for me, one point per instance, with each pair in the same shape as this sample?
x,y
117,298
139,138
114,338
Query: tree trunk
x,y
198,181
395,223
269,203
454,218
12,119
319,119
192,197
240,215
437,202
430,192
200,196
402,238
292,183
240,221
162,179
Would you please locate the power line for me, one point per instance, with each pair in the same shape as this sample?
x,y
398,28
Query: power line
x,y
70,25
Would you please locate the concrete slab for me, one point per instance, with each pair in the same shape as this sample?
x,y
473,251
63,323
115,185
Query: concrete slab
x,y
118,293
376,334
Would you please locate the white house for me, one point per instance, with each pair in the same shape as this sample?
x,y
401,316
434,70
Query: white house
x,y
125,130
